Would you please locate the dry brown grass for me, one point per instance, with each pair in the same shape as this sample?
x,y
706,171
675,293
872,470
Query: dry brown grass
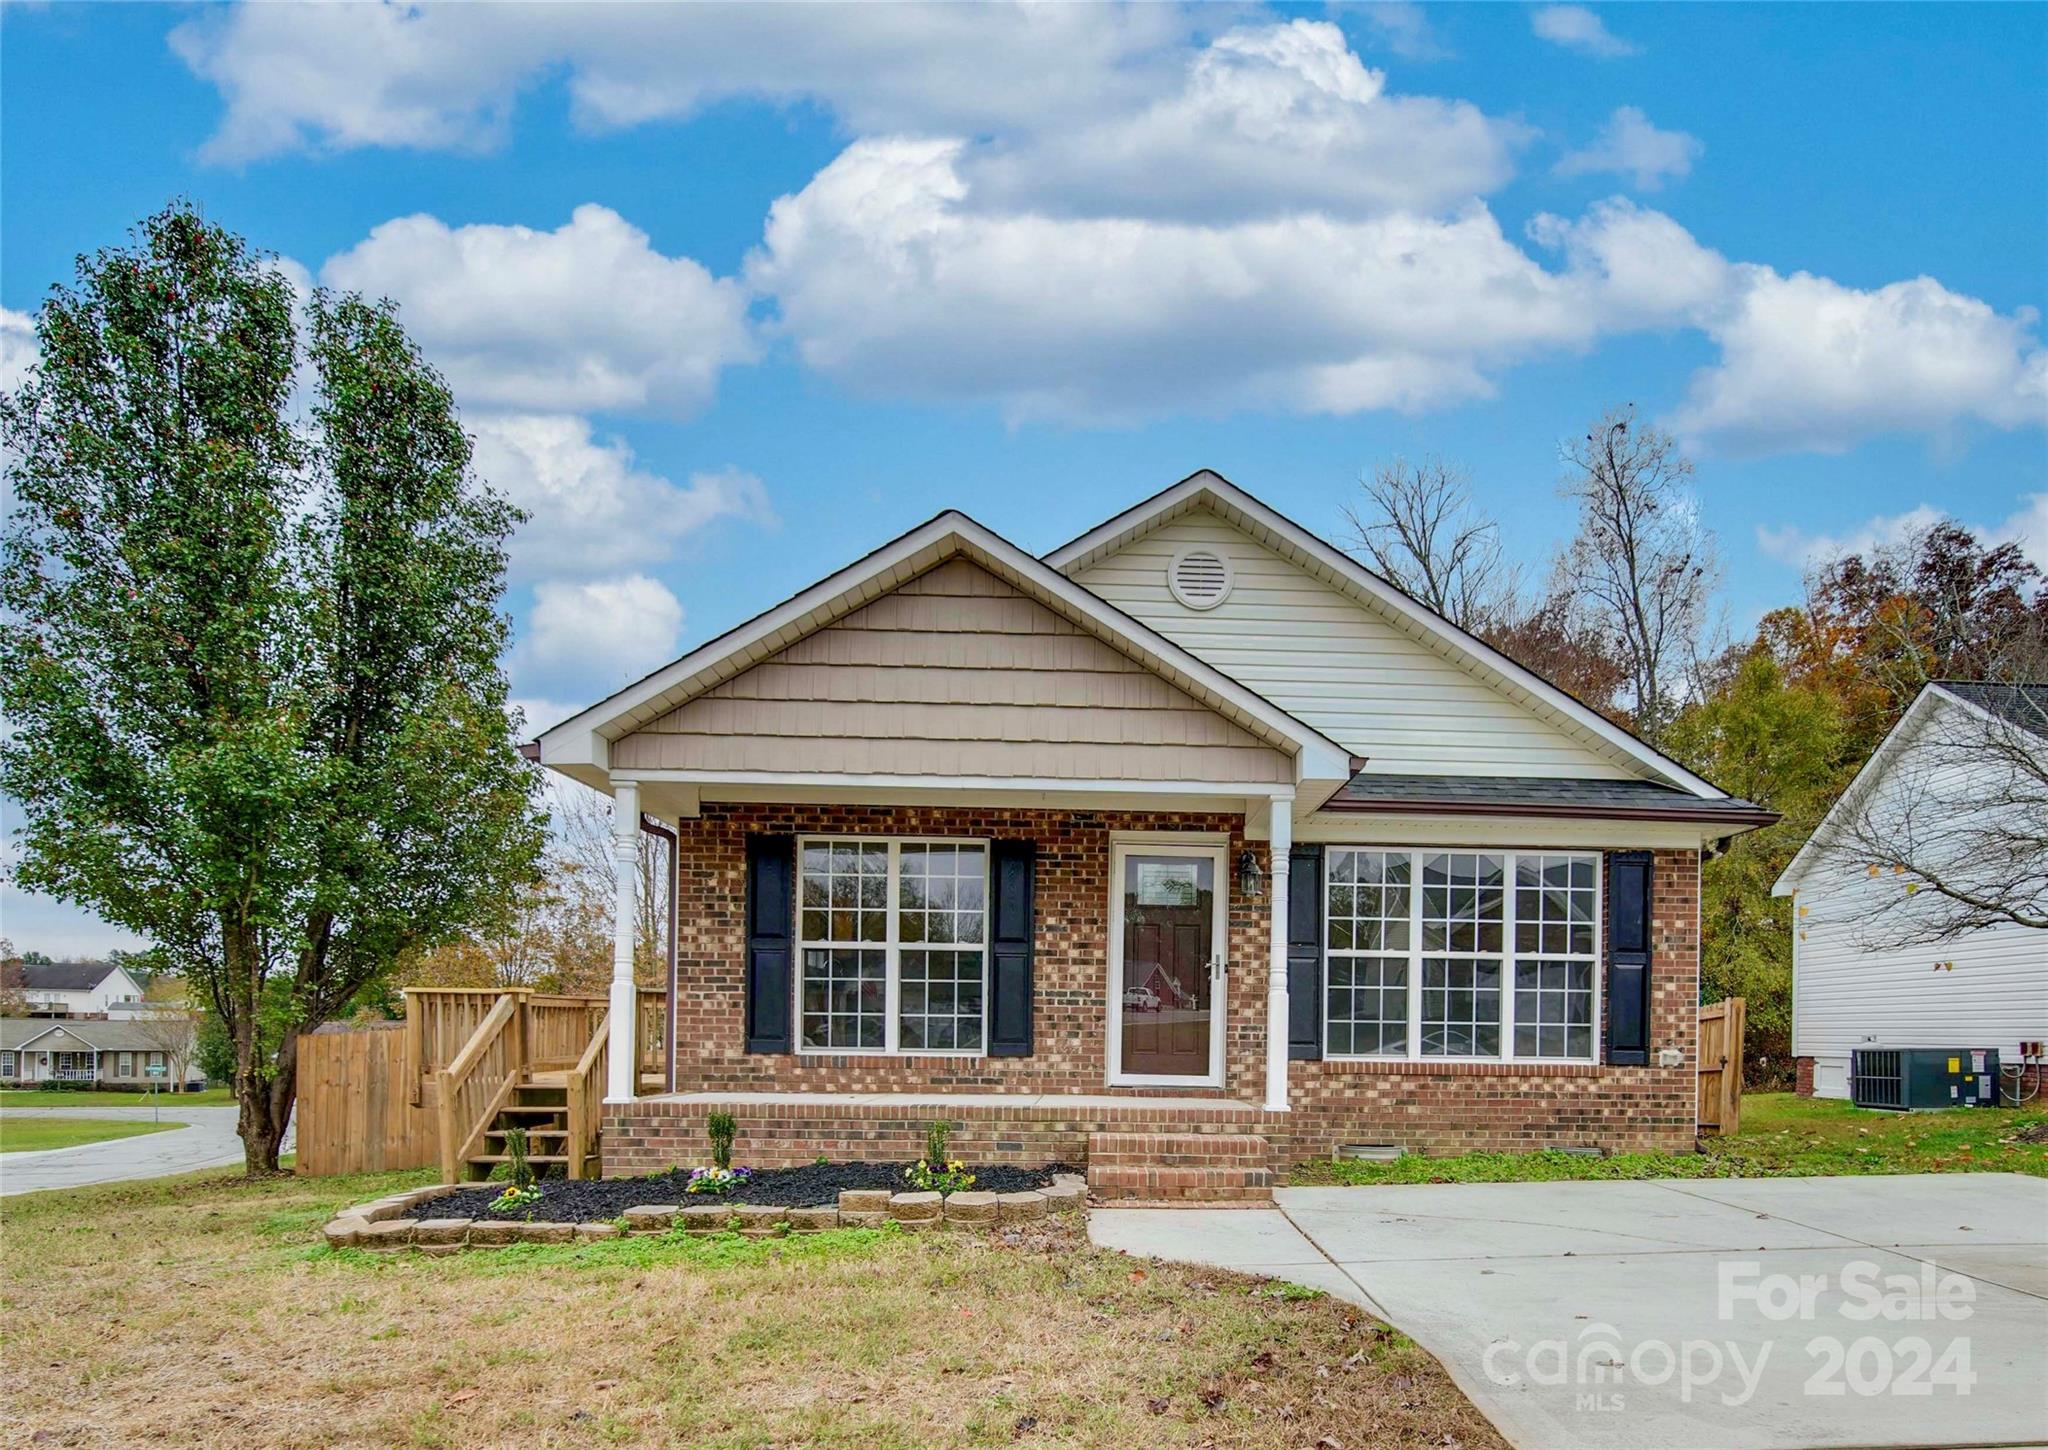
x,y
203,1312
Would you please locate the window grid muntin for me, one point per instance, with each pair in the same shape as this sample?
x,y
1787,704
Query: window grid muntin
x,y
1368,906
891,948
1509,960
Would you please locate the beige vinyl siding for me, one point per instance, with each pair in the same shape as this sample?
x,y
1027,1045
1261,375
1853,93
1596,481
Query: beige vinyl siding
x,y
955,673
1337,665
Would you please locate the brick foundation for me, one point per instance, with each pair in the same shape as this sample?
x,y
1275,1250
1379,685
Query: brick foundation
x,y
1802,1070
1430,1108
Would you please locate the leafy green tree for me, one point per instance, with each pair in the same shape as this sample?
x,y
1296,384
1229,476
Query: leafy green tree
x,y
251,641
1780,745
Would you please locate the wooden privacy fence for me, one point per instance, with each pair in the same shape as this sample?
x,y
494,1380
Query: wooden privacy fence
x,y
1721,1066
355,1111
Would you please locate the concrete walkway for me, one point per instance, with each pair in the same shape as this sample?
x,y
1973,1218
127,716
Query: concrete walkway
x,y
208,1142
1702,1315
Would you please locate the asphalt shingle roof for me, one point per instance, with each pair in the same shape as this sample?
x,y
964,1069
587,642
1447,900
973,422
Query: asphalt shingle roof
x,y
1533,794
2024,705
64,976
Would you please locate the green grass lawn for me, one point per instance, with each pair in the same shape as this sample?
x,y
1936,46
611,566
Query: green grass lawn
x,y
205,1311
1782,1136
28,1135
33,1098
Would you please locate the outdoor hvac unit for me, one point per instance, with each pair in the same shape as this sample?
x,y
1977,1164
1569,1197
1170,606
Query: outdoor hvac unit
x,y
1923,1077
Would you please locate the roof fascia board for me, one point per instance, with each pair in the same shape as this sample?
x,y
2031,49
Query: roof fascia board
x,y
1228,498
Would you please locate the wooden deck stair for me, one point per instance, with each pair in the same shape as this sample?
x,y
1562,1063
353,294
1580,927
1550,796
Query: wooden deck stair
x,y
540,1106
1187,1168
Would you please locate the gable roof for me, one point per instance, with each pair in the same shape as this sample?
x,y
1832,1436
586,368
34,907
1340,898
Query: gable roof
x,y
1207,489
65,976
98,1034
579,746
2023,705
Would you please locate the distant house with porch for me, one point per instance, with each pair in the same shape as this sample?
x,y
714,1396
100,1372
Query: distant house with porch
x,y
104,1053
1192,829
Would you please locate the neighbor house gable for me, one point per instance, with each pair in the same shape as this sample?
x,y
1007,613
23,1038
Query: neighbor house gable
x,y
954,673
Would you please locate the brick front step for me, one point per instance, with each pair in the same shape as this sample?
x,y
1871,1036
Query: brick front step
x,y
1180,1167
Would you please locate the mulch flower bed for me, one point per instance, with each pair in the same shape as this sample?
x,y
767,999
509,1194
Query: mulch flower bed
x,y
599,1200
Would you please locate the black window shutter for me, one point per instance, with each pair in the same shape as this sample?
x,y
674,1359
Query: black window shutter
x,y
771,940
1305,952
1012,866
1628,958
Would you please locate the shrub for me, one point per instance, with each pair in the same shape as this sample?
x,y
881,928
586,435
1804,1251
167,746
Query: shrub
x,y
935,1136
519,1170
722,1128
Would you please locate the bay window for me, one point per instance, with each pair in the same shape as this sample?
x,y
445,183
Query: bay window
x,y
892,936
1460,954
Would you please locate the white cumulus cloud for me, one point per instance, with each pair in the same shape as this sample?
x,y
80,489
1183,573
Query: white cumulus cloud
x,y
2026,526
450,76
1808,364
593,509
1269,120
887,281
1576,28
1630,145
587,316
596,635
19,351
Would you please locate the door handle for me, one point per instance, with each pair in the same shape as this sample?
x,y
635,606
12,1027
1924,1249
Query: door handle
x,y
1219,967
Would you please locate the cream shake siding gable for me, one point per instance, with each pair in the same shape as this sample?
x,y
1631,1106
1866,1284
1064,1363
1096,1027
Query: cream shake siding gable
x,y
954,673
1336,665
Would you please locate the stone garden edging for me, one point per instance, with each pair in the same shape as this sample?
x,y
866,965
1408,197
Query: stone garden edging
x,y
387,1224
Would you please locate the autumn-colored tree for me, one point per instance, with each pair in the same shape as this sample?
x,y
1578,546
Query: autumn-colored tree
x,y
1779,744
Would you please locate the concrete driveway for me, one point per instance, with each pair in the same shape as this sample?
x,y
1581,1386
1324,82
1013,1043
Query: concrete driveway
x,y
208,1141
1720,1315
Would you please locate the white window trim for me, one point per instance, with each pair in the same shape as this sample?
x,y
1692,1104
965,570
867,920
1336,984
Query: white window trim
x,y
7,1064
892,960
125,1065
1507,956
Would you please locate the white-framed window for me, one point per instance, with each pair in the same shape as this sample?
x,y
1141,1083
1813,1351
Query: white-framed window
x,y
892,945
6,1064
156,1059
1472,955
127,1067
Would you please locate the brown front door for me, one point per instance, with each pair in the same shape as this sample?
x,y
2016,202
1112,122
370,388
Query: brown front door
x,y
1167,1003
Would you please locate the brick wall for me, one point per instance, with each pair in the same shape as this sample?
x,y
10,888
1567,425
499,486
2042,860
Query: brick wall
x,y
1433,1108
1802,1068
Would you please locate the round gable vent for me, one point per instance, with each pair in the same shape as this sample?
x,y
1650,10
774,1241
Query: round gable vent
x,y
1199,577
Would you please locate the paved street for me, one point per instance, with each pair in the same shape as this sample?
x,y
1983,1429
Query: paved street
x,y
1712,1315
208,1142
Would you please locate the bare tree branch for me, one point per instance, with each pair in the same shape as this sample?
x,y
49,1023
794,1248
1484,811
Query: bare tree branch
x,y
1641,563
1952,833
1419,530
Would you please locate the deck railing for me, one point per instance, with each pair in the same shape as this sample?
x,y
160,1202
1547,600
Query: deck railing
x,y
586,1099
468,1049
479,1082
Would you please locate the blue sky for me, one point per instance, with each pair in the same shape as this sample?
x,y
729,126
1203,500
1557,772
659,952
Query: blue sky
x,y
730,296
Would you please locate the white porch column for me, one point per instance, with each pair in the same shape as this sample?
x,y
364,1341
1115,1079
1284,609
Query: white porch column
x,y
1281,838
619,1064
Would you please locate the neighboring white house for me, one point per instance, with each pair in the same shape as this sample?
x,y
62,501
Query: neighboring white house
x,y
77,989
1859,978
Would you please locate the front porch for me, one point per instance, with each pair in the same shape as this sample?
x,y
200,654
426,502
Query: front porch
x,y
1143,1147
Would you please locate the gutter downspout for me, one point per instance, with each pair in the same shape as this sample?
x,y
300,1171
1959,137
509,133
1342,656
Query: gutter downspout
x,y
655,828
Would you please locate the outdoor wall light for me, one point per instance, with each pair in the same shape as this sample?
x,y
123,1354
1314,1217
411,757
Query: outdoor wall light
x,y
1251,877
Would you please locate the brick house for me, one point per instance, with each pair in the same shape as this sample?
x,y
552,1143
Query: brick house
x,y
1192,843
